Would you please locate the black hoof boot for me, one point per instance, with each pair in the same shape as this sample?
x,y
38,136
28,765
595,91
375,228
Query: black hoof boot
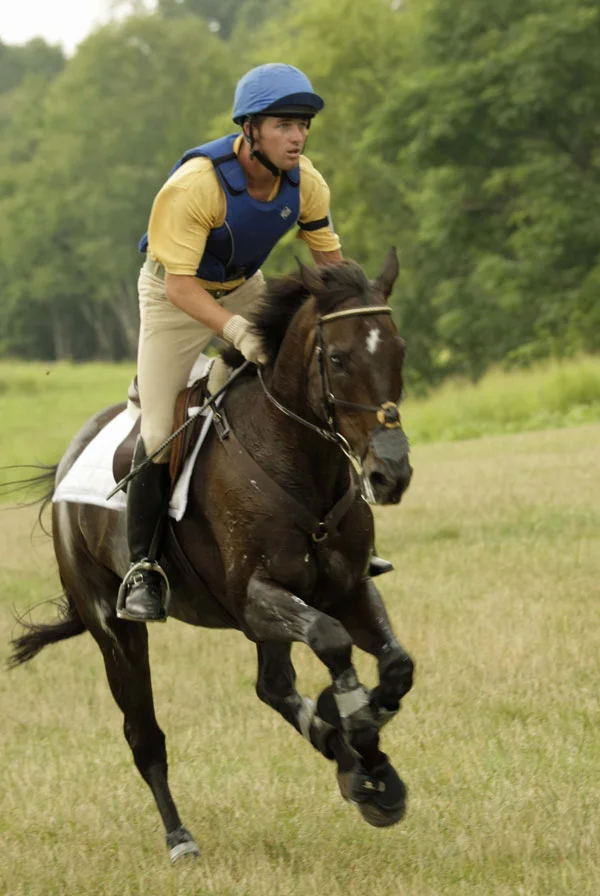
x,y
380,795
143,596
378,566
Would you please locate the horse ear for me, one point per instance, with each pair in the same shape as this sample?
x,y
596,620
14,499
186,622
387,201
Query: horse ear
x,y
387,278
310,279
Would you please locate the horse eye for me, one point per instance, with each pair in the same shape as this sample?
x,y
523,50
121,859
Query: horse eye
x,y
336,361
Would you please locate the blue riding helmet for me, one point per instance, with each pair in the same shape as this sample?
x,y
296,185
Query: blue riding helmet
x,y
275,88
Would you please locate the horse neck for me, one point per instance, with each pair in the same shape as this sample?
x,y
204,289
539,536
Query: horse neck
x,y
320,460
315,458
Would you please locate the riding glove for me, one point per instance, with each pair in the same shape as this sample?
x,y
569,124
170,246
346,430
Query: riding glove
x,y
239,332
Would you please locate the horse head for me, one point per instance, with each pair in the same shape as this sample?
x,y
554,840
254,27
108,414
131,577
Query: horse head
x,y
353,379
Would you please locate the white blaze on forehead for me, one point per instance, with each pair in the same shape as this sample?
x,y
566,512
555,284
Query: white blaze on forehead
x,y
373,340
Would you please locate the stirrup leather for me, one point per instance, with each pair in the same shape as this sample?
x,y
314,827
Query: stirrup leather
x,y
135,569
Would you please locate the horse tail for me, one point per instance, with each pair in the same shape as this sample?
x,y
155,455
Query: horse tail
x,y
69,624
44,482
26,646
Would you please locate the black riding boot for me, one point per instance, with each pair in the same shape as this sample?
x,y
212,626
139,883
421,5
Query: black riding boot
x,y
377,566
142,595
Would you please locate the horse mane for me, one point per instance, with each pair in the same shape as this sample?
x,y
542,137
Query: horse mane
x,y
285,296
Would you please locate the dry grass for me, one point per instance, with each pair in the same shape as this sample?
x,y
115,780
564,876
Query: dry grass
x,y
495,595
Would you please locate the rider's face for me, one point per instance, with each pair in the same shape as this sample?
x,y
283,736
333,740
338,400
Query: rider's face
x,y
282,140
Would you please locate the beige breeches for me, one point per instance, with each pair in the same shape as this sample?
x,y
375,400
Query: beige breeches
x,y
170,342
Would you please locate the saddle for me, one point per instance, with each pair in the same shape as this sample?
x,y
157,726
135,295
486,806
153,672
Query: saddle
x,y
192,396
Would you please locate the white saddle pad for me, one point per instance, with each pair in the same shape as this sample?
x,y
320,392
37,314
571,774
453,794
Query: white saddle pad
x,y
91,478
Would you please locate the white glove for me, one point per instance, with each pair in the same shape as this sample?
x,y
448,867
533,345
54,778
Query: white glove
x,y
218,375
239,332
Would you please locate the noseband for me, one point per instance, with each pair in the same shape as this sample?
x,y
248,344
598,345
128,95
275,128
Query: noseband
x,y
387,413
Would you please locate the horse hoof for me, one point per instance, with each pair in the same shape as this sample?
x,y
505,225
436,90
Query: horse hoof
x,y
379,817
379,796
181,844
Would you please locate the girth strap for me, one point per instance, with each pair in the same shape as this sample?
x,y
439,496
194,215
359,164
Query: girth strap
x,y
180,568
300,515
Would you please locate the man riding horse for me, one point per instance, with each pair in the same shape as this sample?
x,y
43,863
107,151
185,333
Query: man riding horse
x,y
213,223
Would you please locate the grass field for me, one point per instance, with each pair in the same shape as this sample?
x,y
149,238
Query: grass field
x,y
495,595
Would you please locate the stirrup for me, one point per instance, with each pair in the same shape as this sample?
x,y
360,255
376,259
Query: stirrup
x,y
148,566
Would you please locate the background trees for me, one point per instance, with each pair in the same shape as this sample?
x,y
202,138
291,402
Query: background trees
x,y
465,133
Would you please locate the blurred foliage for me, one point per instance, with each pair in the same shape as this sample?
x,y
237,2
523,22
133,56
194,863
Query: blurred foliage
x,y
464,133
35,58
224,16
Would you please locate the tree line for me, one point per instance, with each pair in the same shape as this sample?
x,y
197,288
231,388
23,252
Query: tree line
x,y
464,133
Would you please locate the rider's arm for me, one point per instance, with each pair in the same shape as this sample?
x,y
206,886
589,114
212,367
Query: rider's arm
x,y
314,223
186,293
326,257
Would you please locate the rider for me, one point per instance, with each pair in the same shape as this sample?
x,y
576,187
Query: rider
x,y
213,223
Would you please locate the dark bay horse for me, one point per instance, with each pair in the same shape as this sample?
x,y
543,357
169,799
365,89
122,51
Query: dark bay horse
x,y
276,537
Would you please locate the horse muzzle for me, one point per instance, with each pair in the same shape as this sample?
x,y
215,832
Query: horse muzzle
x,y
386,468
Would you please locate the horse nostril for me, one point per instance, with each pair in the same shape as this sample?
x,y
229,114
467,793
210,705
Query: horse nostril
x,y
377,480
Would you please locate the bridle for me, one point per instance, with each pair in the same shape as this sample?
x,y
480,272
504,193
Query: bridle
x,y
387,413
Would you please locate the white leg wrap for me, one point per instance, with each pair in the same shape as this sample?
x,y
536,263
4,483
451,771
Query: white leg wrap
x,y
306,714
351,701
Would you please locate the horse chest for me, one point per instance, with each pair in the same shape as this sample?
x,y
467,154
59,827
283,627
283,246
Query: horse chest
x,y
339,572
319,576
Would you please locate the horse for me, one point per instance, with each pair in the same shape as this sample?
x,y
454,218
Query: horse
x,y
275,540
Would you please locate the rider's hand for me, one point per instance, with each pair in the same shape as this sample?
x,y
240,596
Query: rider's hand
x,y
239,332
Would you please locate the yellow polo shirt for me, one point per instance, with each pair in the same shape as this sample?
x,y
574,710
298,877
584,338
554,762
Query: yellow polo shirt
x,y
192,203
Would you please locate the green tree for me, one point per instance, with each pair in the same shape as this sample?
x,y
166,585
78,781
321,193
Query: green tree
x,y
133,97
465,133
35,58
26,73
496,130
223,16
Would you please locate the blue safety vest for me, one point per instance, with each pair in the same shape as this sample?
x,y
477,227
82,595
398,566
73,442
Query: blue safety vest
x,y
251,228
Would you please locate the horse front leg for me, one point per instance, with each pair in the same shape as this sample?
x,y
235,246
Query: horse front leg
x,y
276,686
364,616
274,614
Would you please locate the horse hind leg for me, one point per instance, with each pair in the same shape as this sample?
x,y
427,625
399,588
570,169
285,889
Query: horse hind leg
x,y
124,647
127,667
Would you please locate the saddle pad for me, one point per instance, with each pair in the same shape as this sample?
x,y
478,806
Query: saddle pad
x,y
91,478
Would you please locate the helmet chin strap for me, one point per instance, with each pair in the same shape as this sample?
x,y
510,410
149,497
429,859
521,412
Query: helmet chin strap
x,y
257,154
264,161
